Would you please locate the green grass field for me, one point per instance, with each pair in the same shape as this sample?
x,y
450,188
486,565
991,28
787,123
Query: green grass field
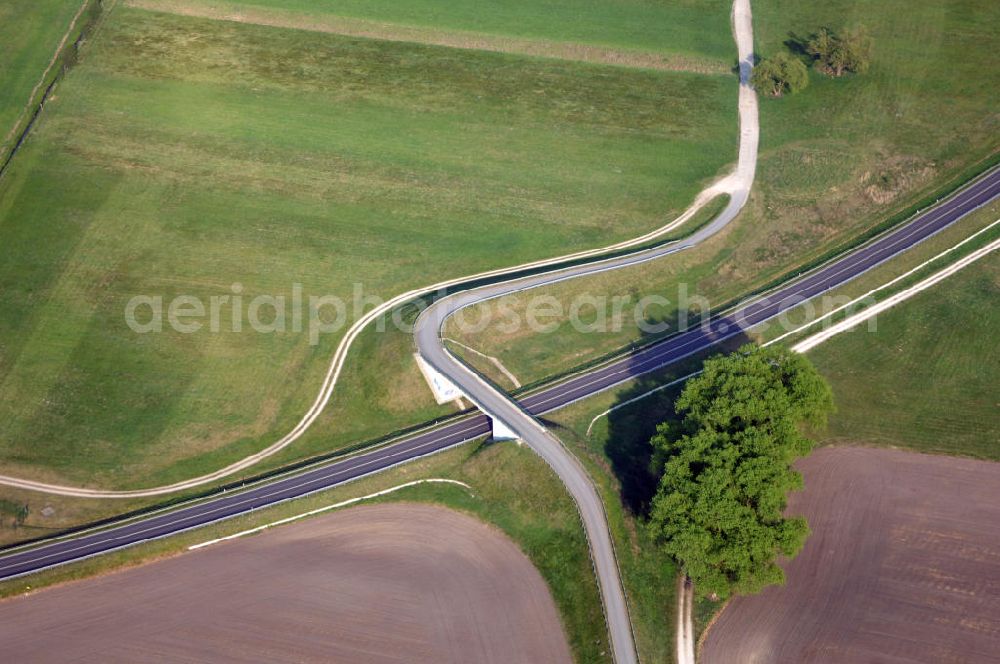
x,y
695,28
929,377
30,32
184,155
835,161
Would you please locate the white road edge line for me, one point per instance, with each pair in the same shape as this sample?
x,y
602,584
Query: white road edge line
x,y
327,508
887,284
642,396
848,323
903,295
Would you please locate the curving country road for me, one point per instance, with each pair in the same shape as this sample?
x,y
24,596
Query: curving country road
x,y
736,185
24,560
520,416
429,335
567,467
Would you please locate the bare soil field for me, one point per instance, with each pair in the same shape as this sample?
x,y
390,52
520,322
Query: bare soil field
x,y
380,583
903,566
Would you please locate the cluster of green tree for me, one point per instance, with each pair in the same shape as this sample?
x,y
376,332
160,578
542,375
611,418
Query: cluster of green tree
x,y
779,74
831,53
726,468
836,54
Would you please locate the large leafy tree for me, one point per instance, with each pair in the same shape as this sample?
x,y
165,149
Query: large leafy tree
x,y
836,54
727,467
779,74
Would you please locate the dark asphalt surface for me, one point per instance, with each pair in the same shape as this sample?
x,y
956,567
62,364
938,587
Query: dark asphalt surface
x,y
226,505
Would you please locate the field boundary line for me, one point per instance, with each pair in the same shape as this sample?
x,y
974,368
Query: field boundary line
x,y
888,284
29,105
326,508
457,38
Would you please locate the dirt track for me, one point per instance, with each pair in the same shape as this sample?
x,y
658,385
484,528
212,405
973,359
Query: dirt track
x,y
380,583
903,566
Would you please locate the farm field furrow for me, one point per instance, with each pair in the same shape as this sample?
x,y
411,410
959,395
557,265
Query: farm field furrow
x,y
439,584
901,567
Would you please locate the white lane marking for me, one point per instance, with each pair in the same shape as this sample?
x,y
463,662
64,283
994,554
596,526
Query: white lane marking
x,y
659,388
888,284
860,317
327,508
251,499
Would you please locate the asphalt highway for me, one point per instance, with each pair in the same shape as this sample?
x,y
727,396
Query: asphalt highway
x,y
22,561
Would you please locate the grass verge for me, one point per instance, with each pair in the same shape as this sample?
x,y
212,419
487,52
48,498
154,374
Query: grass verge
x,y
928,377
38,39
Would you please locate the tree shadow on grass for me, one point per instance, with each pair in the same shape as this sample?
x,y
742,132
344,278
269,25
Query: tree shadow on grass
x,y
631,424
797,44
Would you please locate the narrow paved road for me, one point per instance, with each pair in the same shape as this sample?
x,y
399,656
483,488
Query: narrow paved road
x,y
736,185
23,560
429,335
685,623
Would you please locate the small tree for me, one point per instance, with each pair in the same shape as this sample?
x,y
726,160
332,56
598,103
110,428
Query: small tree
x,y
836,55
779,74
727,468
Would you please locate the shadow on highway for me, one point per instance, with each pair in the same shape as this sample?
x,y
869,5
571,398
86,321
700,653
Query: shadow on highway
x,y
630,427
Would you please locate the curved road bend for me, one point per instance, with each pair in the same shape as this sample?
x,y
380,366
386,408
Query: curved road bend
x,y
20,561
489,398
736,185
520,416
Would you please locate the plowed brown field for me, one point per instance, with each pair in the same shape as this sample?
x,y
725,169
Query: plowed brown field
x,y
903,566
381,583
